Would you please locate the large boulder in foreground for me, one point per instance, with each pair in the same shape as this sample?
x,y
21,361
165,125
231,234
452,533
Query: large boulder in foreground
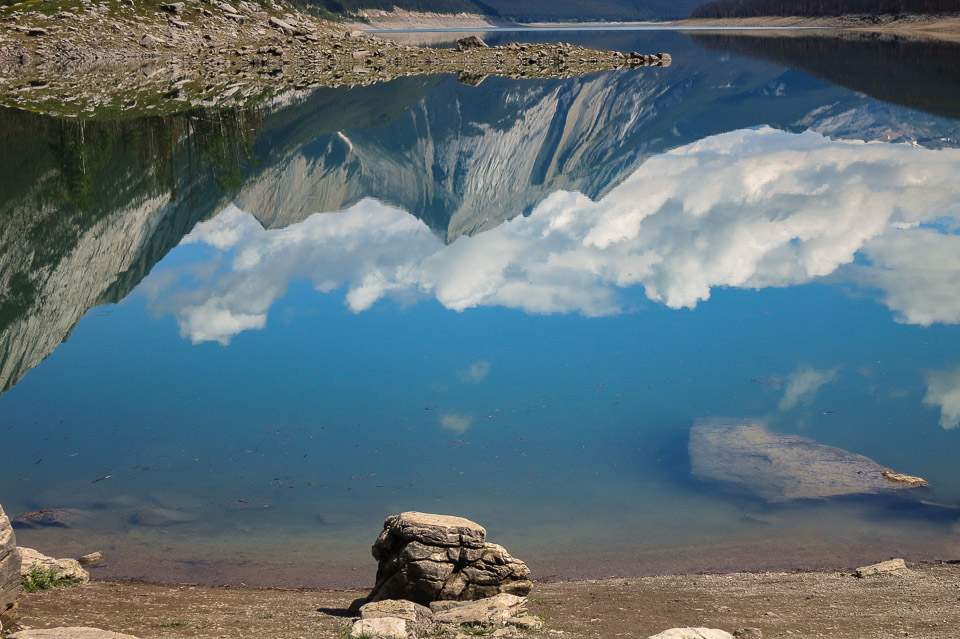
x,y
743,453
425,558
9,570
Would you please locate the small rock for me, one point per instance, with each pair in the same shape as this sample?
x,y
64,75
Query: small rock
x,y
285,27
91,559
692,633
748,633
356,34
150,42
884,566
360,55
176,8
37,31
471,42
526,622
387,627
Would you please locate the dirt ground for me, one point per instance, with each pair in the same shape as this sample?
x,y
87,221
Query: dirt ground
x,y
921,602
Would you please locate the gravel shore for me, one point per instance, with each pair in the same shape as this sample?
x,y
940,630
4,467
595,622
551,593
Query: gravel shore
x,y
921,601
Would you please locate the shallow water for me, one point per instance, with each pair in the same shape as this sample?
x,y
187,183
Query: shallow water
x,y
233,343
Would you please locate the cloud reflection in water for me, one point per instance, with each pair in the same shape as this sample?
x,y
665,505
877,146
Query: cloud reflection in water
x,y
750,209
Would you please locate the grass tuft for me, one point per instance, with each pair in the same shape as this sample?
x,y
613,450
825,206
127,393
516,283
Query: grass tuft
x,y
39,578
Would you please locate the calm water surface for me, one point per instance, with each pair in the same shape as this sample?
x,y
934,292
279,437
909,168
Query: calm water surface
x,y
232,343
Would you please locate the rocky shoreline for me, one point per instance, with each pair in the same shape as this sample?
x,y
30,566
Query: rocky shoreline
x,y
438,576
98,59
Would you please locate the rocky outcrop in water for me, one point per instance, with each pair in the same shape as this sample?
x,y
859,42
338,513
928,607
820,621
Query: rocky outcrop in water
x,y
744,454
425,558
9,570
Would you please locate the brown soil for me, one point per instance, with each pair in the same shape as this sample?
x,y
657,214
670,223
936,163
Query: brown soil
x,y
919,602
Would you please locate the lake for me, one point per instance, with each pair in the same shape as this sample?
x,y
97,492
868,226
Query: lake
x,y
232,342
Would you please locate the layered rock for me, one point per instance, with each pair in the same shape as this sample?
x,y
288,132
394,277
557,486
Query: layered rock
x,y
9,570
743,453
400,619
424,558
66,568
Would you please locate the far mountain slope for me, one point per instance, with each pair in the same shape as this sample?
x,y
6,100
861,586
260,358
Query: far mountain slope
x,y
528,10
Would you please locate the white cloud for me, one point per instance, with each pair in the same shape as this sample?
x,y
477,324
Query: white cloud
x,y
456,423
918,271
943,391
751,209
803,384
225,230
475,373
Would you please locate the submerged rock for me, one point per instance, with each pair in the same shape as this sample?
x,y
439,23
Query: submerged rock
x,y
779,467
51,517
424,558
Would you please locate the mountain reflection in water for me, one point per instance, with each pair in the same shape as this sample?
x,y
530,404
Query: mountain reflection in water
x,y
494,301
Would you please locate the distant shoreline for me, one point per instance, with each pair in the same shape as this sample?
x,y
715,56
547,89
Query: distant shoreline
x,y
939,27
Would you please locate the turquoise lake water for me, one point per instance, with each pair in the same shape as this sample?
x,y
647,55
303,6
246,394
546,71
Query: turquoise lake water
x,y
232,343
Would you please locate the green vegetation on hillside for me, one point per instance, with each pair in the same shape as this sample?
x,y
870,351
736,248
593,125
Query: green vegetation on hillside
x,y
755,8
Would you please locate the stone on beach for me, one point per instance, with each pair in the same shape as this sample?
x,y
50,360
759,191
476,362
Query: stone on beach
x,y
471,42
779,467
91,559
398,608
892,565
9,570
692,633
66,568
485,612
424,557
387,627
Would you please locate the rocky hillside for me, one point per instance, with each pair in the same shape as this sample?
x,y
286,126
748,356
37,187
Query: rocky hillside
x,y
528,10
140,58
96,207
